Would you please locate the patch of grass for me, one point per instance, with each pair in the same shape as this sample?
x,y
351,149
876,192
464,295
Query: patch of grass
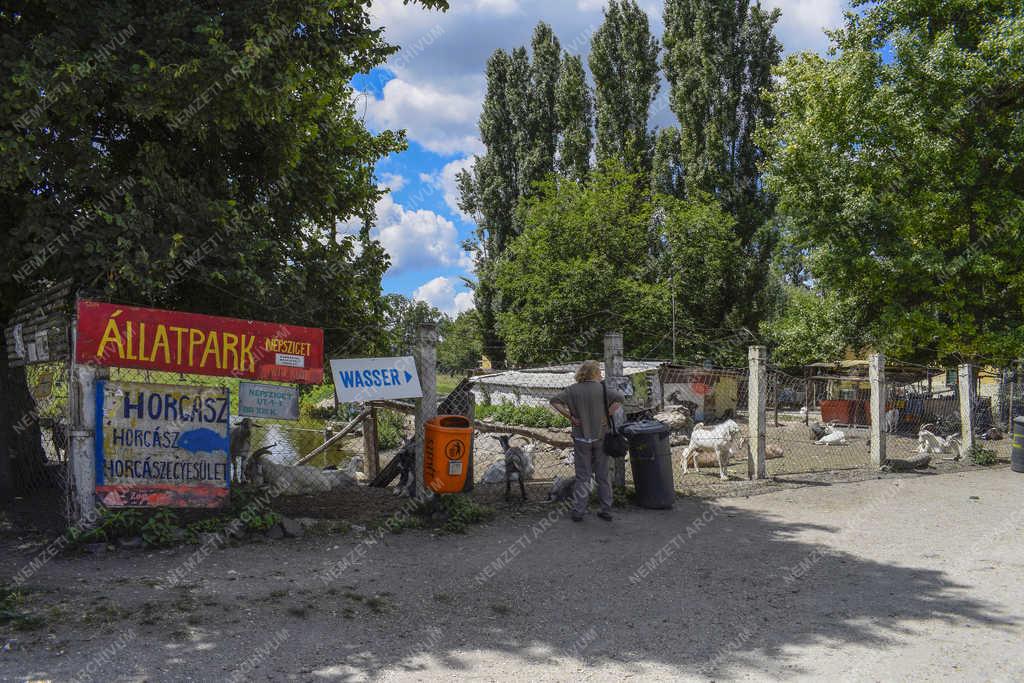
x,y
461,512
444,598
523,416
12,612
980,455
390,429
277,594
161,530
355,597
501,609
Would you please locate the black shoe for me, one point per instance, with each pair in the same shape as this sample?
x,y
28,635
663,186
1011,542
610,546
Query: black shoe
x,y
577,517
605,515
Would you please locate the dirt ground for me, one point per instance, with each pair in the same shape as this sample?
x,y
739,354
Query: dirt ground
x,y
912,577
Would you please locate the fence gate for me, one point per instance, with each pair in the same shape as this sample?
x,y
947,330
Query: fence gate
x,y
36,380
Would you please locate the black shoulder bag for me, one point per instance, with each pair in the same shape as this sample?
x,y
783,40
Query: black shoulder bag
x,y
614,443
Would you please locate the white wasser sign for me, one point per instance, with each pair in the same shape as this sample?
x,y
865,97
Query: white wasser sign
x,y
368,379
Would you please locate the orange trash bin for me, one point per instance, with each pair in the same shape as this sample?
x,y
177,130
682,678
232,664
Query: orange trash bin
x,y
447,442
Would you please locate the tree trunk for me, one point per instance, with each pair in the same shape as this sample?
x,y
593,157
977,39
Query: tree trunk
x,y
22,457
6,471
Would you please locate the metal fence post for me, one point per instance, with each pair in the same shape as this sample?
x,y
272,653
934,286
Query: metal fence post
x,y
965,382
876,378
613,373
757,409
426,407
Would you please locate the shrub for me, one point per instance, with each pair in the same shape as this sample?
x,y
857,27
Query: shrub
x,y
522,416
980,455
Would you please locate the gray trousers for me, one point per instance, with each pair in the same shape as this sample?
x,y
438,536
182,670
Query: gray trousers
x,y
590,460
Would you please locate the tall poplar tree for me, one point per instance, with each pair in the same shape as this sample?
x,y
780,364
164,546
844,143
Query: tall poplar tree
x,y
519,130
542,136
718,60
574,106
667,168
624,62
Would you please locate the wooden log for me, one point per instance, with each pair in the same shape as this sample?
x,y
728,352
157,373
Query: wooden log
x,y
334,439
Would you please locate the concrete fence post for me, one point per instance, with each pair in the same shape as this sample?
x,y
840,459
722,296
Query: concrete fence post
x,y
965,382
426,408
876,378
83,441
757,410
613,374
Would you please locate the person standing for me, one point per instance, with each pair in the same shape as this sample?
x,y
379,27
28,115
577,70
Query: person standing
x,y
588,404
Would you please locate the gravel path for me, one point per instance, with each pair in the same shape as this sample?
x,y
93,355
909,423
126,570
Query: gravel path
x,y
912,578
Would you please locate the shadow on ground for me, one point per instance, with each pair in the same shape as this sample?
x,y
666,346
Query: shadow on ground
x,y
701,589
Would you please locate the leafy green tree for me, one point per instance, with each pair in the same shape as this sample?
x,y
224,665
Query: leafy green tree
x,y
624,62
718,60
461,346
903,174
519,130
574,105
667,169
812,326
193,155
539,155
402,317
606,255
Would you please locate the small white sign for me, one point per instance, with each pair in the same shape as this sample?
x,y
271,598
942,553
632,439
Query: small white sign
x,y
268,400
368,379
290,360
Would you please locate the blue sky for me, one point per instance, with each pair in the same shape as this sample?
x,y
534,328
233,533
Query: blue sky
x,y
433,88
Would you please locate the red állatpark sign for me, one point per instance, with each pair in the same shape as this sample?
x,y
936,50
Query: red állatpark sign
x,y
153,339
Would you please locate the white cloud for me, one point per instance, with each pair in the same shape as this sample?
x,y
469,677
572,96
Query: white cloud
x,y
802,23
417,239
442,121
442,294
392,181
446,181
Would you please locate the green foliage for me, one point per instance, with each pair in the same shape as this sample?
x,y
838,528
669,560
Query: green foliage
x,y
390,428
624,61
161,529
223,135
461,345
12,612
461,511
402,318
574,104
110,525
812,326
609,253
980,455
903,175
522,416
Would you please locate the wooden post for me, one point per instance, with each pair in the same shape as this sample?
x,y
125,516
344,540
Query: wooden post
x,y
757,467
613,374
426,407
876,378
966,385
371,458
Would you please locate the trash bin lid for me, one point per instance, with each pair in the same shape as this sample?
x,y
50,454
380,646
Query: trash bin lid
x,y
645,426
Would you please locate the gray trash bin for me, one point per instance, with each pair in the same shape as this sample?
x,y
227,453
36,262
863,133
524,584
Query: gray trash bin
x,y
651,461
1017,456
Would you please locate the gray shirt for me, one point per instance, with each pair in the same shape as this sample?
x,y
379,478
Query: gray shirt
x,y
586,403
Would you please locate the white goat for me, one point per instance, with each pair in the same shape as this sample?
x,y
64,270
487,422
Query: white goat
x,y
724,439
930,442
892,420
832,437
297,480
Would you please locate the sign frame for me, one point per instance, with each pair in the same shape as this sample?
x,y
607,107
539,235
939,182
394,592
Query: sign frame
x,y
116,335
277,411
157,494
